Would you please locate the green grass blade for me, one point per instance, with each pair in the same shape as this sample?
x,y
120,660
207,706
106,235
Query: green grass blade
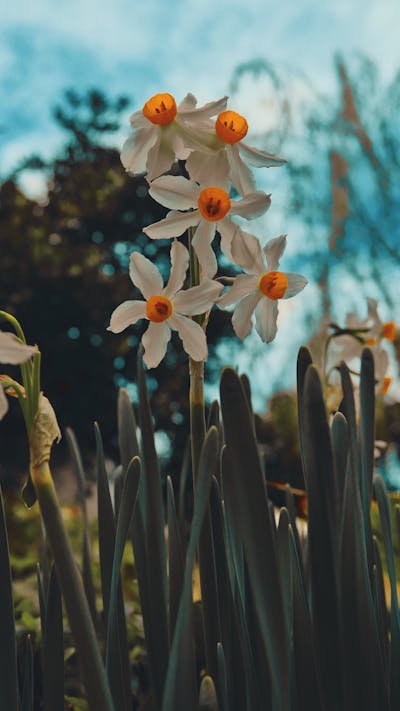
x,y
380,608
154,531
106,525
348,409
249,511
384,511
53,648
213,415
304,360
27,675
362,661
106,521
367,426
323,543
180,687
86,546
127,430
176,563
340,447
235,663
222,678
9,696
308,694
117,663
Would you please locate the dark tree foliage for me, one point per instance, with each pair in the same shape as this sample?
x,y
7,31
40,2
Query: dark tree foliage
x,y
64,270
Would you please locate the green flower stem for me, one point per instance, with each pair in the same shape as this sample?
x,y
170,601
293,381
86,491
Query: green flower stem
x,y
196,371
197,414
96,685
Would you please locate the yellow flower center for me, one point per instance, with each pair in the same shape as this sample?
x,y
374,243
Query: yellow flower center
x,y
273,284
160,109
231,127
387,381
158,308
214,203
389,330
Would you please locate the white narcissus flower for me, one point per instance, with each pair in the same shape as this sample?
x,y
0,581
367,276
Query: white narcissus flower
x,y
224,137
166,307
207,208
347,348
259,290
161,131
13,352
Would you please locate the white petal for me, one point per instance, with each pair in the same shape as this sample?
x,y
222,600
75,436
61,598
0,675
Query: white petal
x,y
241,176
136,148
145,275
160,158
381,362
138,120
199,137
155,341
126,314
296,282
227,229
259,158
243,285
247,253
179,267
211,109
175,192
188,103
3,403
175,224
12,350
242,316
273,251
252,205
373,319
192,335
201,243
209,168
198,299
266,316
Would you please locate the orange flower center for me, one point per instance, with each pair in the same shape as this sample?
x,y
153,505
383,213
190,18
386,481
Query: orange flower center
x,y
273,285
389,330
214,203
231,127
158,308
387,381
370,342
160,109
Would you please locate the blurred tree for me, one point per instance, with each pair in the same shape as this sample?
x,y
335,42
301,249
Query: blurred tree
x,y
64,270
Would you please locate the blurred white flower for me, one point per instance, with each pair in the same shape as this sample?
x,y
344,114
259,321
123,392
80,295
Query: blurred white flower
x,y
161,131
259,290
166,307
371,332
207,208
224,137
13,352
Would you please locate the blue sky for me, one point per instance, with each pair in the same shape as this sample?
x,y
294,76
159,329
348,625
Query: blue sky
x,y
140,48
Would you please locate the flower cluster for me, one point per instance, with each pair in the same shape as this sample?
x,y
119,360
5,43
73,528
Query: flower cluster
x,y
210,141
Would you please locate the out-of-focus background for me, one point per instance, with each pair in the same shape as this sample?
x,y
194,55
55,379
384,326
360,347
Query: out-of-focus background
x,y
319,83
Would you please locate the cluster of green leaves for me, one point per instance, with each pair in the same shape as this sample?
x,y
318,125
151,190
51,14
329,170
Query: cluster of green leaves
x,y
283,623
